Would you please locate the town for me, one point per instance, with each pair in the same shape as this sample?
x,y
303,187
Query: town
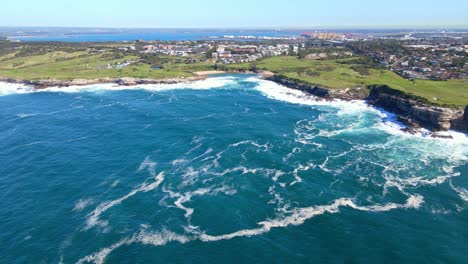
x,y
413,56
434,55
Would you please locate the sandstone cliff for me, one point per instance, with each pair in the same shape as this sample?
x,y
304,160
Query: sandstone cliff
x,y
413,111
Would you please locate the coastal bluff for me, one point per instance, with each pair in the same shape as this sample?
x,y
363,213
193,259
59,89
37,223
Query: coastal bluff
x,y
412,111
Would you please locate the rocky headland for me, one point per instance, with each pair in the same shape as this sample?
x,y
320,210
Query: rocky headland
x,y
413,111
46,83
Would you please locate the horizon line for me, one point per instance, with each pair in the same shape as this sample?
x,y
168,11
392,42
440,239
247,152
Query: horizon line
x,y
260,27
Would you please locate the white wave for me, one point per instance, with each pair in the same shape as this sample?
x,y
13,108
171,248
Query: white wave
x,y
82,204
143,237
265,146
93,217
387,123
290,154
462,192
300,215
276,174
14,88
100,257
297,217
25,115
209,83
208,151
115,183
194,148
160,238
149,165
414,182
278,200
179,161
392,126
282,93
243,170
301,167
187,197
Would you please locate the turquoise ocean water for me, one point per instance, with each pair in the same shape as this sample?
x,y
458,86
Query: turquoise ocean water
x,y
232,169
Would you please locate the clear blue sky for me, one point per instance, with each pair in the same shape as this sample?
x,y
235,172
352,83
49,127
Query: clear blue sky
x,y
234,13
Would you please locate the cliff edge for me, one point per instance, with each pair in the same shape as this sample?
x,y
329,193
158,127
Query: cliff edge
x,y
414,111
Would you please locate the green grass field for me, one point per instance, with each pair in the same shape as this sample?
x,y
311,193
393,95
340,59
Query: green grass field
x,y
340,73
84,65
345,74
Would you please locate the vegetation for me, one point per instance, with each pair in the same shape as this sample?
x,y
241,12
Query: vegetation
x,y
240,67
379,46
64,61
75,61
357,72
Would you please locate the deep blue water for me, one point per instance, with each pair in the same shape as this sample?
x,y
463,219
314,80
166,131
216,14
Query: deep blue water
x,y
162,35
228,170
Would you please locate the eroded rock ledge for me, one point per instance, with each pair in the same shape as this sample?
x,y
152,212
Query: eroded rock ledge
x,y
42,84
410,110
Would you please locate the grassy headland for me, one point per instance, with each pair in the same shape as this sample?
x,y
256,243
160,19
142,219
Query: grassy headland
x,y
89,64
359,72
93,61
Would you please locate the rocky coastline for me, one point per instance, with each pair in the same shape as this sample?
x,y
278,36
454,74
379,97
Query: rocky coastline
x,y
410,110
46,83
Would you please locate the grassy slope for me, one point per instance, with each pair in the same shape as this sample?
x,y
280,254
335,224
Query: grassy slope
x,y
83,65
332,74
329,73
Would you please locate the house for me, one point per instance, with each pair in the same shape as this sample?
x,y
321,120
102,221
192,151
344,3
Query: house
x,y
225,54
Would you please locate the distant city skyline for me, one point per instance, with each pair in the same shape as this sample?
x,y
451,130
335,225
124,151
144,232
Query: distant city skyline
x,y
238,14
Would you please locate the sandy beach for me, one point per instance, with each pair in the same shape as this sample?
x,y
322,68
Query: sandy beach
x,y
203,73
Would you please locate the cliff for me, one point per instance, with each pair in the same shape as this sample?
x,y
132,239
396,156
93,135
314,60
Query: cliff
x,y
356,93
413,111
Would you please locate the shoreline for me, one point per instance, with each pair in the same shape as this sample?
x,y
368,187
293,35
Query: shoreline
x,y
46,83
206,73
413,114
409,111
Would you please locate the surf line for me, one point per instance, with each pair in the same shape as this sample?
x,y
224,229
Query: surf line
x,y
298,217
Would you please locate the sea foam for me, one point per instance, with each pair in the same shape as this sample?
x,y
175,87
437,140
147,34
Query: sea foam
x,y
296,217
151,184
14,88
210,83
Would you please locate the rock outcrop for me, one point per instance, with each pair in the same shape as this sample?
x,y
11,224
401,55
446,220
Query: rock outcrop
x,y
356,93
413,111
461,123
42,84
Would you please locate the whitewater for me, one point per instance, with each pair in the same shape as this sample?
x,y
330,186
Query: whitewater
x,y
225,170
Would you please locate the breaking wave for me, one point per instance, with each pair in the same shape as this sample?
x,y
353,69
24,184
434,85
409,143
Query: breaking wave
x,y
198,177
210,83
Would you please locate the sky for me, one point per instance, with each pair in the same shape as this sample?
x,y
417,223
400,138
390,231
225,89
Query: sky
x,y
234,13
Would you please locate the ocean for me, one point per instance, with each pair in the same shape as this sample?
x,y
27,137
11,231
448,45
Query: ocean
x,y
231,169
146,35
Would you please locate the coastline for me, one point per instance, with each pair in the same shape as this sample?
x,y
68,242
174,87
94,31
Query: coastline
x,y
46,83
409,111
206,73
